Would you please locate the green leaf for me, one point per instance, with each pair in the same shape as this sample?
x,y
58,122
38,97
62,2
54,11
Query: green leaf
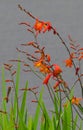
x,y
37,113
46,116
30,123
16,88
67,117
23,104
4,106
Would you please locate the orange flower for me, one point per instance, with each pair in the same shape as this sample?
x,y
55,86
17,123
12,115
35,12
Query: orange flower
x,y
47,26
42,26
38,26
48,57
45,69
46,80
57,84
38,63
75,100
57,70
68,62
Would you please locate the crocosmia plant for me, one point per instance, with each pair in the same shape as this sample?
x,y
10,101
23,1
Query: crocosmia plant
x,y
67,110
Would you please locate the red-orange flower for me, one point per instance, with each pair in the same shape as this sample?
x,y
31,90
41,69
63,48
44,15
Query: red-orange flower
x,y
47,26
44,68
75,100
68,62
46,80
38,63
38,26
57,70
56,84
48,57
42,26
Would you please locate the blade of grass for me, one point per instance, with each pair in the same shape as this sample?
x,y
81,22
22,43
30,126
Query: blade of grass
x,y
30,123
3,90
47,119
23,104
67,117
81,125
4,106
22,112
37,113
16,87
54,122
